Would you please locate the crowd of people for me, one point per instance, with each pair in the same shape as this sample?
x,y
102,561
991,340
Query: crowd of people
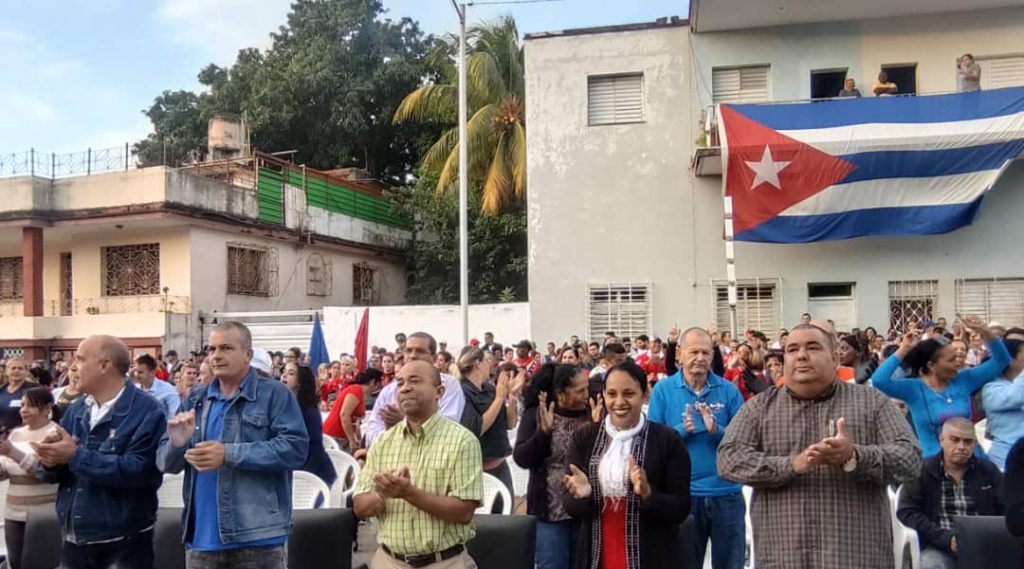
x,y
622,439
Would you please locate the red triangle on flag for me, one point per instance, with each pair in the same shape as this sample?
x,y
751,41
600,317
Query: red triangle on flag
x,y
786,171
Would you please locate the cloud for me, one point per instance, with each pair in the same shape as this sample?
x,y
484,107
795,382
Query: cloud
x,y
26,107
61,70
222,27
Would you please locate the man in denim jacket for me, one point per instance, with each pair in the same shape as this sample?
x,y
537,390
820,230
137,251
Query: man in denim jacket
x,y
104,458
238,462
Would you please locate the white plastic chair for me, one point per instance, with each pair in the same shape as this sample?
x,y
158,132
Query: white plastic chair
x,y
492,489
348,474
330,444
905,544
307,489
748,496
169,494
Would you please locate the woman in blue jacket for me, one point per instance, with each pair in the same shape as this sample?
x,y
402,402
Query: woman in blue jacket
x,y
1003,400
934,388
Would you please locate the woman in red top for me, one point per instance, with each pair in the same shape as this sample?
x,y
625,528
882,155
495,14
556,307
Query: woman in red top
x,y
349,408
387,364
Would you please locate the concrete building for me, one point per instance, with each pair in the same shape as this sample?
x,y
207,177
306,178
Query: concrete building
x,y
141,253
625,194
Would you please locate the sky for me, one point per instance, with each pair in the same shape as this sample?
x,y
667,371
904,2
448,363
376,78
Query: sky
x,y
77,75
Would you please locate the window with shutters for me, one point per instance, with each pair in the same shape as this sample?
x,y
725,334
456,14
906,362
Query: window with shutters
x,y
1001,71
615,99
11,279
365,285
131,270
912,301
757,305
1001,300
319,276
623,308
740,84
252,269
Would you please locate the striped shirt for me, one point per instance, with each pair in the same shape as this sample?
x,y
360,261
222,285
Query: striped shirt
x,y
443,459
955,500
25,490
826,517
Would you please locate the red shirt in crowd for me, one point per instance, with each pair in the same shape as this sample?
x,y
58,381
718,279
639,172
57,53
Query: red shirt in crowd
x,y
332,424
530,364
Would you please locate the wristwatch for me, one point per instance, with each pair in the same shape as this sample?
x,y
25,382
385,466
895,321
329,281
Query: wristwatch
x,y
851,465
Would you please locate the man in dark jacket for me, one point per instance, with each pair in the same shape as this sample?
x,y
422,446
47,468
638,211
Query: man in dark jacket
x,y
952,483
1014,498
104,458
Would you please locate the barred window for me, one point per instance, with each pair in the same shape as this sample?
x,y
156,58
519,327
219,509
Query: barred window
x,y
252,269
623,308
319,276
757,305
11,278
912,301
131,270
365,285
1001,299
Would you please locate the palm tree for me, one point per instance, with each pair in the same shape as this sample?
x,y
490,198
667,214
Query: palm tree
x,y
496,129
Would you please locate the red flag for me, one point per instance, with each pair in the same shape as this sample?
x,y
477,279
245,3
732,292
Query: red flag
x,y
362,338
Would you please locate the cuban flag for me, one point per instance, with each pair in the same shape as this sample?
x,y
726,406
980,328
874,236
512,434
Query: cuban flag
x,y
845,168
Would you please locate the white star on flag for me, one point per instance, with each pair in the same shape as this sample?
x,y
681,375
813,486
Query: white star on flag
x,y
767,170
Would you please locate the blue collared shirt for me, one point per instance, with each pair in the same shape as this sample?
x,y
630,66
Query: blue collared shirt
x,y
165,394
668,405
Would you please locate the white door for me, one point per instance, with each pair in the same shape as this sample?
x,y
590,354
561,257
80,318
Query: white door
x,y
839,309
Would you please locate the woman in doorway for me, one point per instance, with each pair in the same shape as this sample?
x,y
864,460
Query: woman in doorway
x,y
935,389
554,407
629,485
18,464
300,380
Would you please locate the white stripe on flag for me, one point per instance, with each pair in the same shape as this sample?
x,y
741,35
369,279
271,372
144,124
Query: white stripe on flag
x,y
874,137
897,192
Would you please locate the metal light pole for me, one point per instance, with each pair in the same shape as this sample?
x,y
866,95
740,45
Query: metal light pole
x,y
463,180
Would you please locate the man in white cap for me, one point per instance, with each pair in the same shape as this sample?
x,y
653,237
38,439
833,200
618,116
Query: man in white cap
x,y
261,363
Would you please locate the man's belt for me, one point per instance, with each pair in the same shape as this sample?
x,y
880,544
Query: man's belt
x,y
422,560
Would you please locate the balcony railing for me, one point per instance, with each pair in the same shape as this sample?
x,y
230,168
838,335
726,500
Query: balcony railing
x,y
103,305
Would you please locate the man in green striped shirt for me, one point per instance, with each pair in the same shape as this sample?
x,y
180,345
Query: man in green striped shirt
x,y
422,480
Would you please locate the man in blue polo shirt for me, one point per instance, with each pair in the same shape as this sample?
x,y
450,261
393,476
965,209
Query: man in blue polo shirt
x,y
238,440
699,405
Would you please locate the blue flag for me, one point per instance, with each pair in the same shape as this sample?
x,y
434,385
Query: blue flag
x,y
318,353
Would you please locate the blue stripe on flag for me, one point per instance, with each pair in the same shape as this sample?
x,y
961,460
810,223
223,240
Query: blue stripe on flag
x,y
918,220
908,109
927,163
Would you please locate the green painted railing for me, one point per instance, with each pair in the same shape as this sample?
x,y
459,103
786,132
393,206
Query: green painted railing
x,y
319,193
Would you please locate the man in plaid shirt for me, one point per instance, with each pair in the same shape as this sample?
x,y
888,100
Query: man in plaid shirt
x,y
819,454
952,483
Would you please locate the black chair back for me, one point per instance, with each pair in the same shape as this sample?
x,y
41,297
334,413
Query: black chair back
x,y
983,542
42,539
504,542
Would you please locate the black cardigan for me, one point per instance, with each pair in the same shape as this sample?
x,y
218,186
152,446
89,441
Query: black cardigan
x,y
921,499
532,449
1014,488
667,464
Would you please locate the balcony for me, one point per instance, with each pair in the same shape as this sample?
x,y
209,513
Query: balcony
x,y
103,305
125,316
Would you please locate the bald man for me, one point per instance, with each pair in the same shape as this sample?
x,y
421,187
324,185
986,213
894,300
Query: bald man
x,y
422,480
104,458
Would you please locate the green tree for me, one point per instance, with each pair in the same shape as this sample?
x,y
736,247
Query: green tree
x,y
496,129
497,246
327,88
179,133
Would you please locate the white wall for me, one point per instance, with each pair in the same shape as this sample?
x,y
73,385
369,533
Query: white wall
x,y
606,203
510,323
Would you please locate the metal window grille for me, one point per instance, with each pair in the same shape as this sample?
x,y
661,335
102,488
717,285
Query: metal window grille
x,y
623,308
319,276
130,270
1001,300
757,305
615,99
252,269
365,285
11,279
912,301
740,84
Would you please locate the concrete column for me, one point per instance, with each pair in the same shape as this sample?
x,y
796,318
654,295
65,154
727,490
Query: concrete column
x,y
32,269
